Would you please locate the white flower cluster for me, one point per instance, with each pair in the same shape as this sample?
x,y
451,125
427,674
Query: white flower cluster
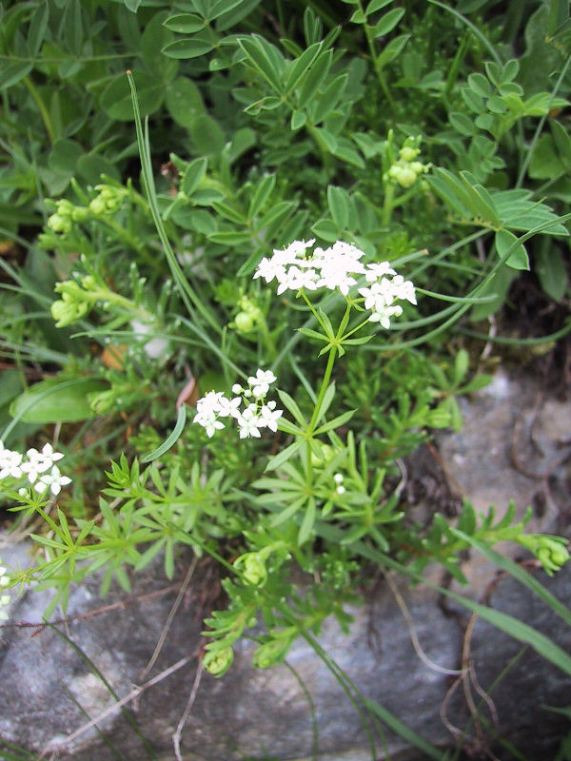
x,y
336,267
38,468
380,297
4,598
255,413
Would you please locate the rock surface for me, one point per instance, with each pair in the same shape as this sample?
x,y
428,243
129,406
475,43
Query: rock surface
x,y
55,680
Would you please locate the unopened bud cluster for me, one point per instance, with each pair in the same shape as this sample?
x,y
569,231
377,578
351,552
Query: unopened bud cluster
x,y
108,201
407,169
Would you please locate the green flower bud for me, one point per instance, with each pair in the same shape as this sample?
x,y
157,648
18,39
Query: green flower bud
x,y
252,568
97,206
218,662
59,224
244,322
65,311
408,153
406,177
551,551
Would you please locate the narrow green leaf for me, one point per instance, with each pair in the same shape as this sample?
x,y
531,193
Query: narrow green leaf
x,y
256,50
301,67
171,440
292,406
387,22
315,78
261,195
337,422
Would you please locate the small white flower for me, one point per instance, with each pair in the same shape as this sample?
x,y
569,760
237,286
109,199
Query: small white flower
x,y
270,269
338,478
52,481
261,382
40,462
9,463
340,490
269,417
237,388
229,407
377,270
249,424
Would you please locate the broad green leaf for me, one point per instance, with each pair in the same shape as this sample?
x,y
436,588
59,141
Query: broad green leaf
x,y
188,47
462,123
263,59
56,401
64,156
194,173
392,50
339,202
518,259
551,270
207,135
376,5
388,22
358,17
479,84
184,101
184,23
545,163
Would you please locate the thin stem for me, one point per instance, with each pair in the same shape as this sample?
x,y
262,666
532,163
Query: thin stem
x,y
32,89
323,388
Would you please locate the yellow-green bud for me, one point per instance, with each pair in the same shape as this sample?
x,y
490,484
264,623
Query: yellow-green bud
x,y
218,662
244,322
59,224
65,311
408,153
551,551
252,568
406,177
97,206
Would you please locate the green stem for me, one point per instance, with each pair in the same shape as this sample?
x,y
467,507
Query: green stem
x,y
323,388
388,204
374,57
32,89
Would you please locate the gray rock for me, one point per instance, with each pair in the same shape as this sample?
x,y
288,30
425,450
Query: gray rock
x,y
51,677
